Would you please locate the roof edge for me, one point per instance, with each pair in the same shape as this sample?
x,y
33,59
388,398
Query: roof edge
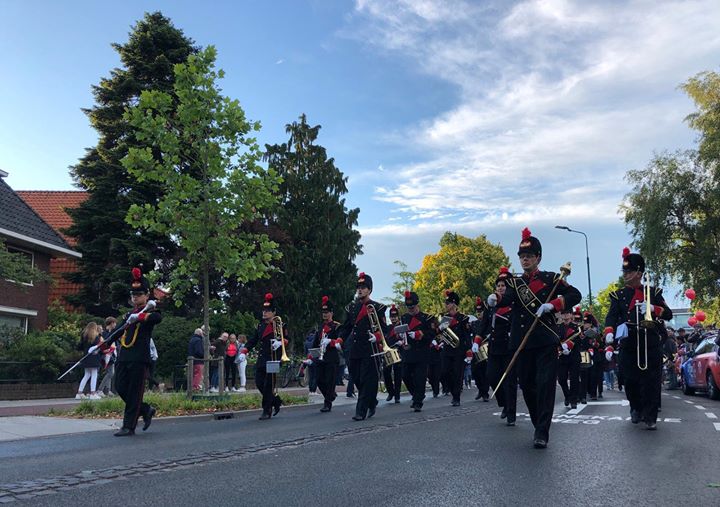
x,y
42,244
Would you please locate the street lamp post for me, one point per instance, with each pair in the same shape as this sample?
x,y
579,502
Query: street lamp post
x,y
587,257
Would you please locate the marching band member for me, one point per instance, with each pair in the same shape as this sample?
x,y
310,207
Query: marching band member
x,y
415,358
455,359
538,361
595,375
498,326
434,365
356,330
479,368
640,347
269,351
133,359
392,374
569,362
330,345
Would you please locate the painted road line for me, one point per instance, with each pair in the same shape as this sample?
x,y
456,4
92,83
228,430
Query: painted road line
x,y
575,411
690,402
717,426
710,415
699,407
676,397
622,403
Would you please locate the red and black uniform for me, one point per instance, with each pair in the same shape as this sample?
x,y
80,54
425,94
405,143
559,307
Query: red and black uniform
x,y
453,359
569,364
417,354
478,369
327,368
595,374
434,365
499,356
392,374
265,381
642,386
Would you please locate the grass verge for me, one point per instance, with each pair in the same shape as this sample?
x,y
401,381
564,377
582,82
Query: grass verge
x,y
169,405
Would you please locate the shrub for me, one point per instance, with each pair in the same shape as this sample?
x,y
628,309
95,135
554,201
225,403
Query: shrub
x,y
46,356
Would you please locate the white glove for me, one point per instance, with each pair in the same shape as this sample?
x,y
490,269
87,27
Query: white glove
x,y
565,349
93,349
609,338
442,345
325,342
544,308
475,348
411,335
621,331
468,360
241,358
492,300
132,319
276,344
608,356
566,352
373,338
644,305
338,345
308,362
433,343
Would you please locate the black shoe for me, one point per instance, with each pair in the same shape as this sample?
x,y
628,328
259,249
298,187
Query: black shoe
x,y
358,418
417,408
264,416
593,398
510,423
397,400
567,402
659,409
276,406
326,408
124,432
446,394
573,406
478,396
350,395
485,399
600,396
539,443
147,418
389,398
371,412
634,416
503,414
583,401
435,395
650,425
455,403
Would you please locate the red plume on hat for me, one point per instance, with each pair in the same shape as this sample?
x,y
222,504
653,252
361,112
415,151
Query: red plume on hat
x,y
504,270
447,292
136,273
325,299
625,252
362,274
478,301
526,233
268,296
407,294
393,307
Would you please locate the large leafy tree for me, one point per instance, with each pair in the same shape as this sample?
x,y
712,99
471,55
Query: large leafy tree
x,y
465,265
110,245
201,150
404,280
602,301
319,241
673,208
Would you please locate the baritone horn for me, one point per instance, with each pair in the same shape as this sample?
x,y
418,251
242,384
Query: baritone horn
x,y
447,335
390,355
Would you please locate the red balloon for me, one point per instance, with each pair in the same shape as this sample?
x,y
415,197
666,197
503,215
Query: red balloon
x,y
690,294
692,321
700,316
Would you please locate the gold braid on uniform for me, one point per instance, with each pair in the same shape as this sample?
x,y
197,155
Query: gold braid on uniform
x,y
128,345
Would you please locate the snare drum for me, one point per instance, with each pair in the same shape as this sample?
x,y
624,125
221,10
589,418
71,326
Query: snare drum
x,y
585,360
482,353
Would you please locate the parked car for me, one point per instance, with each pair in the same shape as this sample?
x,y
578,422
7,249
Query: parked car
x,y
701,369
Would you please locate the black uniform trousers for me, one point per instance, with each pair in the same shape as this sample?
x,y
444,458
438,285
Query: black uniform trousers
x,y
433,376
326,373
392,376
537,372
507,394
595,379
265,383
414,375
584,383
130,383
479,375
453,371
642,388
569,378
364,373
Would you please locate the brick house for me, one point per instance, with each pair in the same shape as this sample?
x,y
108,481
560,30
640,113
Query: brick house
x,y
25,232
51,206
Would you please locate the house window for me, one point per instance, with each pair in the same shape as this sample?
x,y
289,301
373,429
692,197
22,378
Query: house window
x,y
18,321
28,256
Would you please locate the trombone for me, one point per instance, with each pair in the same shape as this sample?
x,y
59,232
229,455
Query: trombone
x,y
646,323
278,334
389,355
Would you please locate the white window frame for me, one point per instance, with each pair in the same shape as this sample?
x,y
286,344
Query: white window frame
x,y
19,312
12,249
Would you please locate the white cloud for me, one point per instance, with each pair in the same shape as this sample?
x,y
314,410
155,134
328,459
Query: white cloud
x,y
556,99
278,62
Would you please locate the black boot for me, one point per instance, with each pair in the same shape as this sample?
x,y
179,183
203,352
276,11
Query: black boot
x,y
124,432
326,407
478,396
371,411
147,418
265,416
390,396
503,414
277,403
634,416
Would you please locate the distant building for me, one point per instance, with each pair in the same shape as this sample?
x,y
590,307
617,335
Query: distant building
x,y
51,206
680,318
25,304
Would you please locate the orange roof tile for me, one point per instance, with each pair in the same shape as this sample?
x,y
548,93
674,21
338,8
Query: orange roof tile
x,y
50,205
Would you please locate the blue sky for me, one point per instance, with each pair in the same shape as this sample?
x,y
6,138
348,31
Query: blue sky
x,y
478,117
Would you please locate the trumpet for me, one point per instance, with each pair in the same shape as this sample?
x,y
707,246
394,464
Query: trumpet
x,y
391,356
646,323
447,335
277,325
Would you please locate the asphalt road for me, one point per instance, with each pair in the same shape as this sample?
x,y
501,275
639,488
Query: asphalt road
x,y
442,456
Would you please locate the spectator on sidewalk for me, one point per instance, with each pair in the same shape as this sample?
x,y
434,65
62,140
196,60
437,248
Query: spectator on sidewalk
x,y
241,362
90,337
108,359
231,353
217,351
196,350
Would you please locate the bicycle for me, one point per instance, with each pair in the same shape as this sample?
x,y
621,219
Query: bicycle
x,y
294,372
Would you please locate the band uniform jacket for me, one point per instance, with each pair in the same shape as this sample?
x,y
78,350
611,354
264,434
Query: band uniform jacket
x,y
264,335
622,310
356,327
460,325
328,330
566,331
134,341
497,328
526,293
418,348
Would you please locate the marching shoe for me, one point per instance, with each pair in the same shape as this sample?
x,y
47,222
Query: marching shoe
x,y
567,402
276,406
124,432
510,423
397,400
503,414
539,443
650,425
371,412
417,408
455,403
358,418
583,401
326,407
435,395
600,396
478,396
593,398
264,416
573,406
147,418
390,397
634,416
485,399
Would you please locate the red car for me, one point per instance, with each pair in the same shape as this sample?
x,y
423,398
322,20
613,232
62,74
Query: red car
x,y
702,370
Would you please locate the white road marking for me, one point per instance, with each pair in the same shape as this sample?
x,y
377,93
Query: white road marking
x,y
622,403
690,402
577,410
717,426
676,397
710,415
699,407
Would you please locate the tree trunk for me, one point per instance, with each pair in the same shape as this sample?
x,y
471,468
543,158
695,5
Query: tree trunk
x,y
206,327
